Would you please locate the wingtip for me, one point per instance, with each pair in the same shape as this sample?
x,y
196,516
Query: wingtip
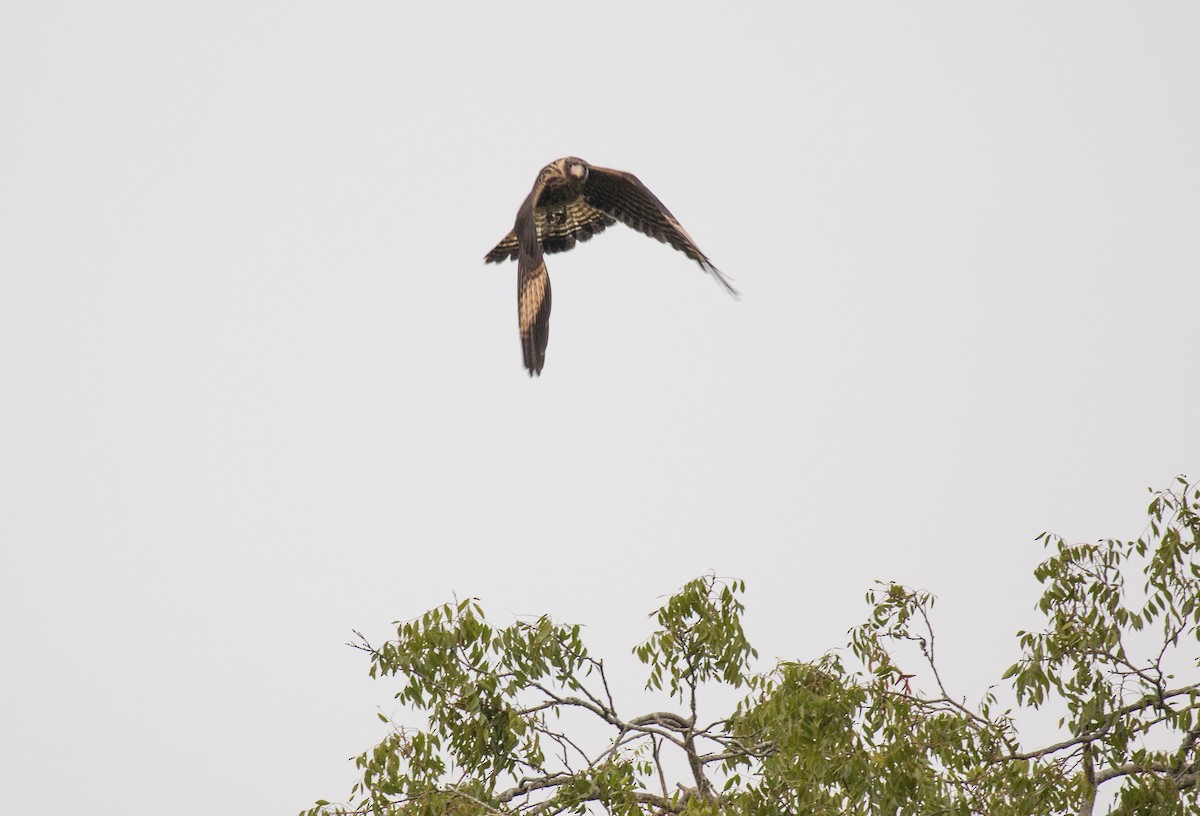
x,y
721,278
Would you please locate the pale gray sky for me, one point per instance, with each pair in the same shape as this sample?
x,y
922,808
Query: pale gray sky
x,y
258,388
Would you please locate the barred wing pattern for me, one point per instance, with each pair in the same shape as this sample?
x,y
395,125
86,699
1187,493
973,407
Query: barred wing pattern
x,y
533,311
570,202
533,286
622,196
577,222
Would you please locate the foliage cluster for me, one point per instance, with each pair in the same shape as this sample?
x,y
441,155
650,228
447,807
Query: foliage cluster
x,y
842,734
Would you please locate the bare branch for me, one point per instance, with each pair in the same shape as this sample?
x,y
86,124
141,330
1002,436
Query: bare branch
x,y
1145,702
666,719
662,779
1089,775
526,786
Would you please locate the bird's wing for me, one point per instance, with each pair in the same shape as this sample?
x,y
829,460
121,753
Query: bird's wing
x,y
533,311
533,287
506,250
558,230
621,196
523,235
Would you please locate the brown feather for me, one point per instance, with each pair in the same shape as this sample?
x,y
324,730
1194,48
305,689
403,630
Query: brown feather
x,y
558,230
570,202
576,221
506,250
533,287
622,196
533,312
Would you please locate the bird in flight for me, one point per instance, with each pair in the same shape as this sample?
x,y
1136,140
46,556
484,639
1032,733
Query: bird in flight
x,y
570,202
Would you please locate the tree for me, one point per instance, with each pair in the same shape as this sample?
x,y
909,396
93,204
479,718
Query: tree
x,y
842,734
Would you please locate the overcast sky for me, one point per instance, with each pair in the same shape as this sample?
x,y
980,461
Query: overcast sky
x,y
258,388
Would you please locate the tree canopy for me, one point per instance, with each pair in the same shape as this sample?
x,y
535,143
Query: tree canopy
x,y
849,732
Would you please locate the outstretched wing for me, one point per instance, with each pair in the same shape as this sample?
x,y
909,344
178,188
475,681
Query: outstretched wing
x,y
558,230
621,196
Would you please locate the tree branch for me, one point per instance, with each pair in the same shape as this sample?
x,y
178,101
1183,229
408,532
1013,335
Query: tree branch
x,y
1145,702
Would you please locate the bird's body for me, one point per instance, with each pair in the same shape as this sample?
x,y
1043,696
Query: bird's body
x,y
570,202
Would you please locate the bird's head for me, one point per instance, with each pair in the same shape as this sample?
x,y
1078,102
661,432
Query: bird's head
x,y
575,169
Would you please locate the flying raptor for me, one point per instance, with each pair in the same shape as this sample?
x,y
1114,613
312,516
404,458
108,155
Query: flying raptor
x,y
570,202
